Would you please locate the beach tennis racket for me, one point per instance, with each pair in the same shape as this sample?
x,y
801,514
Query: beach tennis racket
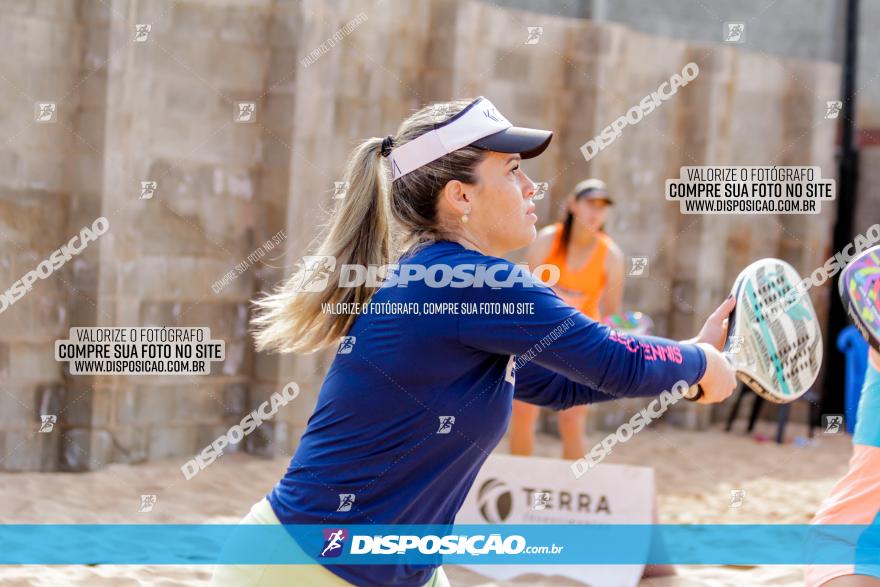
x,y
630,322
773,337
859,287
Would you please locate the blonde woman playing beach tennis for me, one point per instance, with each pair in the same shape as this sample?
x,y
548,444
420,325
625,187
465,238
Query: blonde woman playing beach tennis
x,y
459,201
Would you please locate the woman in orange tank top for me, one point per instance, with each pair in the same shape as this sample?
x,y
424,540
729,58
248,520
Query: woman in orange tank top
x,y
591,280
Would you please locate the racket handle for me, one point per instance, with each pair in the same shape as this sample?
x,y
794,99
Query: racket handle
x,y
694,393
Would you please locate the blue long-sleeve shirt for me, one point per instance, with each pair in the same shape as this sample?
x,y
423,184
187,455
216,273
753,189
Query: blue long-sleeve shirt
x,y
376,429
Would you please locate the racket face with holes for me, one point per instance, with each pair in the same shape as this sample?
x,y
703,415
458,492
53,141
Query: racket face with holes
x,y
774,340
859,288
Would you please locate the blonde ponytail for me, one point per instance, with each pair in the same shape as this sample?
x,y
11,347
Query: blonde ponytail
x,y
292,319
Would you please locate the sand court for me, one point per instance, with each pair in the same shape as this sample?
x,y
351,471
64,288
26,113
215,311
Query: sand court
x,y
695,475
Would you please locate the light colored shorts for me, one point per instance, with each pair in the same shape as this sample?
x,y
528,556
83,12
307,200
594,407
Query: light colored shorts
x,y
286,575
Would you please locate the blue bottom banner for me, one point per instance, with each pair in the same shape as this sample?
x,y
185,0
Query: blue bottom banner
x,y
707,544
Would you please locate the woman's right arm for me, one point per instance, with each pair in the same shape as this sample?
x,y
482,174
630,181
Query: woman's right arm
x,y
538,326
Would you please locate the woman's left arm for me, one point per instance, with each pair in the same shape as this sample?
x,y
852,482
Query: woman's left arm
x,y
524,318
537,385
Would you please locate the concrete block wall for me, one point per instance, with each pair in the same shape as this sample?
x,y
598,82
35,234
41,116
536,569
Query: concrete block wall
x,y
45,41
178,93
87,402
272,181
163,110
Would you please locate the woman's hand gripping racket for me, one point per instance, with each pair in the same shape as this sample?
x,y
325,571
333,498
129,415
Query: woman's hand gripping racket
x,y
859,287
773,338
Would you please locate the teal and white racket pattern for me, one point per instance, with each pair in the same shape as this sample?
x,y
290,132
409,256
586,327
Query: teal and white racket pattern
x,y
774,339
859,288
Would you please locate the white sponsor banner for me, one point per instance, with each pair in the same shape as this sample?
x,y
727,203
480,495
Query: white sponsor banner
x,y
533,490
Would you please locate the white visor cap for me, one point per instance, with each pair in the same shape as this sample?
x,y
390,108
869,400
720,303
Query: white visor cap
x,y
479,124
